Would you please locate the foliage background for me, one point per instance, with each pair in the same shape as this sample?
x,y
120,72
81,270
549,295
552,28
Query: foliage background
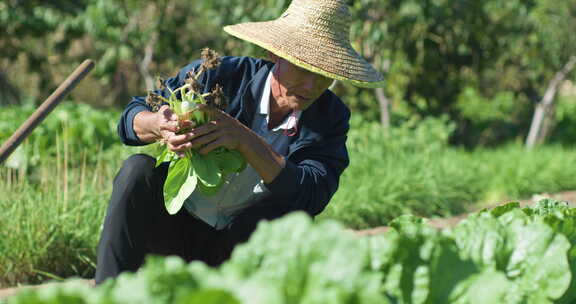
x,y
485,64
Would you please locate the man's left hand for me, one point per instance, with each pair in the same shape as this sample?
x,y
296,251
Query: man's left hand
x,y
222,131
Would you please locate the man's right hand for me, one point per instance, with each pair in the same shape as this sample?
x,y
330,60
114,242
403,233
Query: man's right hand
x,y
156,126
167,123
169,127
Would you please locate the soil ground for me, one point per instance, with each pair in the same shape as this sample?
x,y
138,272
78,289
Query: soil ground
x,y
568,196
7,292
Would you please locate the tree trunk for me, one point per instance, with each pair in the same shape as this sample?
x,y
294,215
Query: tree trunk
x,y
384,108
543,114
145,63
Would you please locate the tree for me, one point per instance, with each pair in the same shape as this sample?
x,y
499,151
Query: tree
x,y
26,25
484,63
556,22
368,38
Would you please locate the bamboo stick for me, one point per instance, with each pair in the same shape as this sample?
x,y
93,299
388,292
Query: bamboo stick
x,y
44,109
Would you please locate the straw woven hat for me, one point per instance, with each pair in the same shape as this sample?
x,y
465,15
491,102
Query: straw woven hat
x,y
314,35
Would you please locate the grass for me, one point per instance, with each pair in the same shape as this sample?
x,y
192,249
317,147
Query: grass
x,y
514,173
50,223
388,177
53,207
446,183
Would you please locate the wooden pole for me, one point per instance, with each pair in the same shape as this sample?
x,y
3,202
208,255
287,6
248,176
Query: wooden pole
x,y
44,109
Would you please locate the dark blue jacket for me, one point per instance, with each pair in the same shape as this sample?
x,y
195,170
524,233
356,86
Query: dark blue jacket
x,y
317,156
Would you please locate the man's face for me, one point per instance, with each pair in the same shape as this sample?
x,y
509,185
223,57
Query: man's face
x,y
295,87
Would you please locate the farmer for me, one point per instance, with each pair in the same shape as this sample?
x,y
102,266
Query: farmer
x,y
281,117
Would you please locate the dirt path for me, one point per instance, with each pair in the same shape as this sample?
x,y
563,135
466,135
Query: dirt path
x,y
569,196
7,292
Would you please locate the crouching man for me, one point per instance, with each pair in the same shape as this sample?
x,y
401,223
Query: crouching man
x,y
281,117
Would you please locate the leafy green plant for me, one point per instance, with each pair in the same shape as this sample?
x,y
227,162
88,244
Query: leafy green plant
x,y
207,172
82,128
507,255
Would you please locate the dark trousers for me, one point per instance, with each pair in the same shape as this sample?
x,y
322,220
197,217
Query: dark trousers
x,y
137,224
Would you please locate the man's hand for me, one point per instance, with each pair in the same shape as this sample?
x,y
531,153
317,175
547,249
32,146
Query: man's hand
x,y
167,122
225,131
156,126
222,131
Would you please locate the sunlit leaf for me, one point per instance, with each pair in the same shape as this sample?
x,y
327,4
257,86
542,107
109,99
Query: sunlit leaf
x,y
180,183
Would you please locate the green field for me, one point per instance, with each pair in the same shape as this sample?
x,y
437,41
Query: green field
x,y
55,197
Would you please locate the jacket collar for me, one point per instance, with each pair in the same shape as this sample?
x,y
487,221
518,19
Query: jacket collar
x,y
310,127
253,94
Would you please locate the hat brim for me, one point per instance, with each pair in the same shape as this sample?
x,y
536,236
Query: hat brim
x,y
334,60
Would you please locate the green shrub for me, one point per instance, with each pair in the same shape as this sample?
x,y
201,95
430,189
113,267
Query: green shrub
x,y
82,128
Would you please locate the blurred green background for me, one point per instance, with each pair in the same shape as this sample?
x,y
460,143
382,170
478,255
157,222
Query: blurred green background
x,y
485,64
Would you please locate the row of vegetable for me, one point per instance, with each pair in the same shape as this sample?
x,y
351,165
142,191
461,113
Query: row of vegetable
x,y
506,255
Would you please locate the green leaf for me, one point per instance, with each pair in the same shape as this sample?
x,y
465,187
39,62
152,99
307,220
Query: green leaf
x,y
199,117
207,296
180,183
481,238
549,206
230,161
539,260
524,248
312,264
498,211
206,190
206,169
562,219
414,262
487,287
162,157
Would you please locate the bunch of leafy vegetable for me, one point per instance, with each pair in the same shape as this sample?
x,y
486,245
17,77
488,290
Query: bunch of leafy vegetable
x,y
194,170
